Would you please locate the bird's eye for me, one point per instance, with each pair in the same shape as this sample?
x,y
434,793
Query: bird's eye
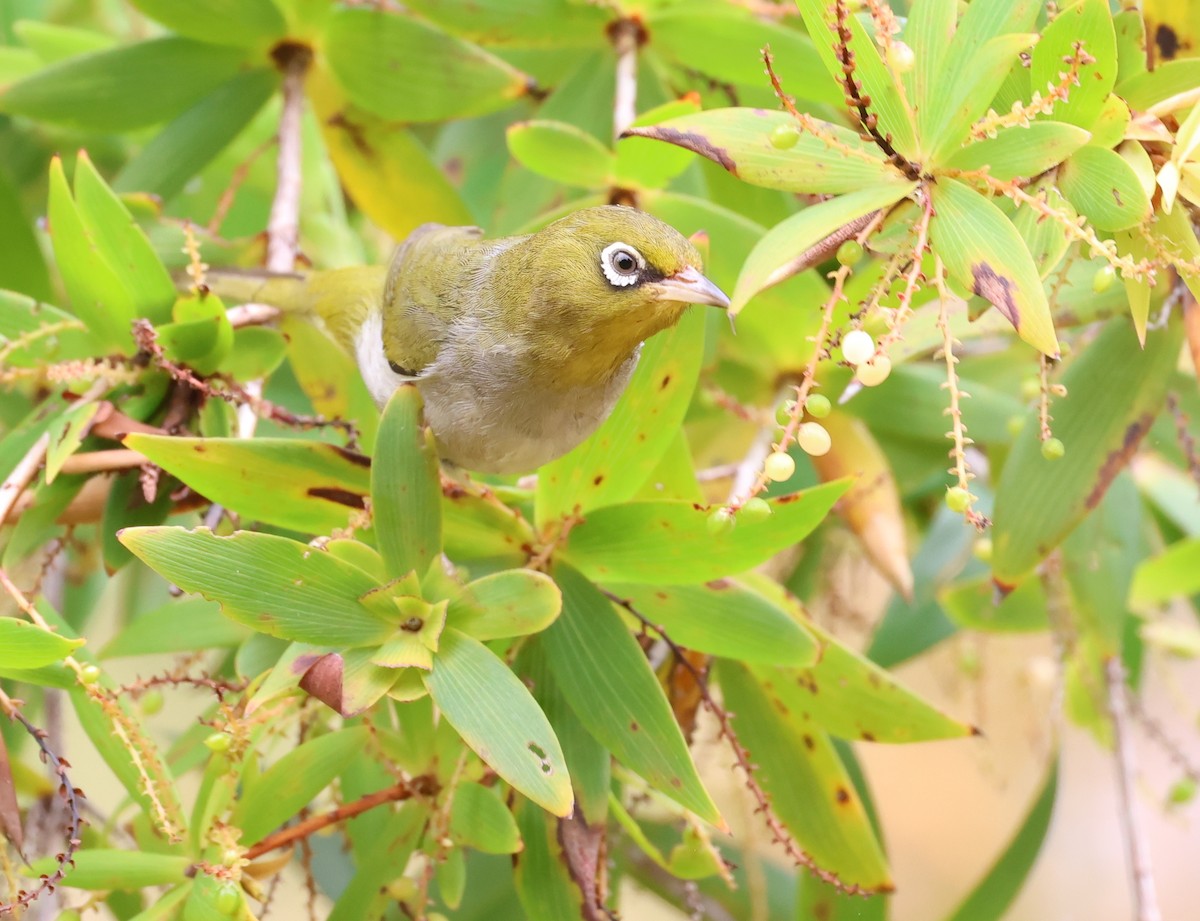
x,y
621,264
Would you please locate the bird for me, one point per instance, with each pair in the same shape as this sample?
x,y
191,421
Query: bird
x,y
520,346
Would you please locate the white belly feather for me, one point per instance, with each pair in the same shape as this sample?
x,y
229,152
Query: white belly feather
x,y
498,423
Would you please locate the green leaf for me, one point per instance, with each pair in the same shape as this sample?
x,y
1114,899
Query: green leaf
x,y
999,888
98,869
543,883
495,715
850,696
877,80
809,789
1089,23
98,296
303,485
928,32
479,819
588,761
643,164
739,139
405,70
973,605
25,645
406,494
178,626
562,153
33,333
1103,187
984,253
270,584
1168,79
291,783
982,44
191,141
1022,150
515,602
603,674
53,42
725,44
22,265
668,543
244,23
723,618
611,465
785,249
1116,389
122,244
959,105
531,23
67,435
480,529
1175,573
128,87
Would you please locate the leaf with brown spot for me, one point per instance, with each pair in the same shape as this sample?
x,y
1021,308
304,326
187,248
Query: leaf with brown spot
x,y
985,254
612,464
739,139
1115,390
800,770
303,485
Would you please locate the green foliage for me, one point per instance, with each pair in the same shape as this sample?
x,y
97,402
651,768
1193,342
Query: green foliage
x,y
488,686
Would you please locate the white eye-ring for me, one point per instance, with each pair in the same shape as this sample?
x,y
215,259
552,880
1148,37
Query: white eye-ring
x,y
621,264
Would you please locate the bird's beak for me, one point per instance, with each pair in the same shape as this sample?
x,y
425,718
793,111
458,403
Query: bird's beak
x,y
688,286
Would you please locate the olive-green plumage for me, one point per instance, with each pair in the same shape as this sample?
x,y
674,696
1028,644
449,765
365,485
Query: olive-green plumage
x,y
520,345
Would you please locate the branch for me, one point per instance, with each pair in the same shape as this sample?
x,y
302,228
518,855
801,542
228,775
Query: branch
x,y
1144,893
401,790
626,36
22,475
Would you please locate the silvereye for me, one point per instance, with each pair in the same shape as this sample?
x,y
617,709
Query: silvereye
x,y
520,346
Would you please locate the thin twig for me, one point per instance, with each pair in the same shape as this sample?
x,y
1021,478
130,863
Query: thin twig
x,y
418,786
22,475
1144,893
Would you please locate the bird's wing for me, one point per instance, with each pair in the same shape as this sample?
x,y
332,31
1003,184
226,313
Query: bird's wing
x,y
431,279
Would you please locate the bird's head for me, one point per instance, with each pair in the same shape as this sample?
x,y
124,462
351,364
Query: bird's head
x,y
604,279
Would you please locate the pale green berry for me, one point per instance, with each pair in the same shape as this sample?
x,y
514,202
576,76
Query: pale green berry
x,y
152,702
779,466
218,742
813,439
958,499
817,405
720,522
850,253
858,346
1053,449
1031,388
1103,279
1182,791
755,509
1014,424
874,372
784,137
982,548
785,411
89,674
901,57
228,900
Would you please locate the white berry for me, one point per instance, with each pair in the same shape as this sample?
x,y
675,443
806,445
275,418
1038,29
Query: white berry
x,y
858,346
779,466
813,439
874,372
